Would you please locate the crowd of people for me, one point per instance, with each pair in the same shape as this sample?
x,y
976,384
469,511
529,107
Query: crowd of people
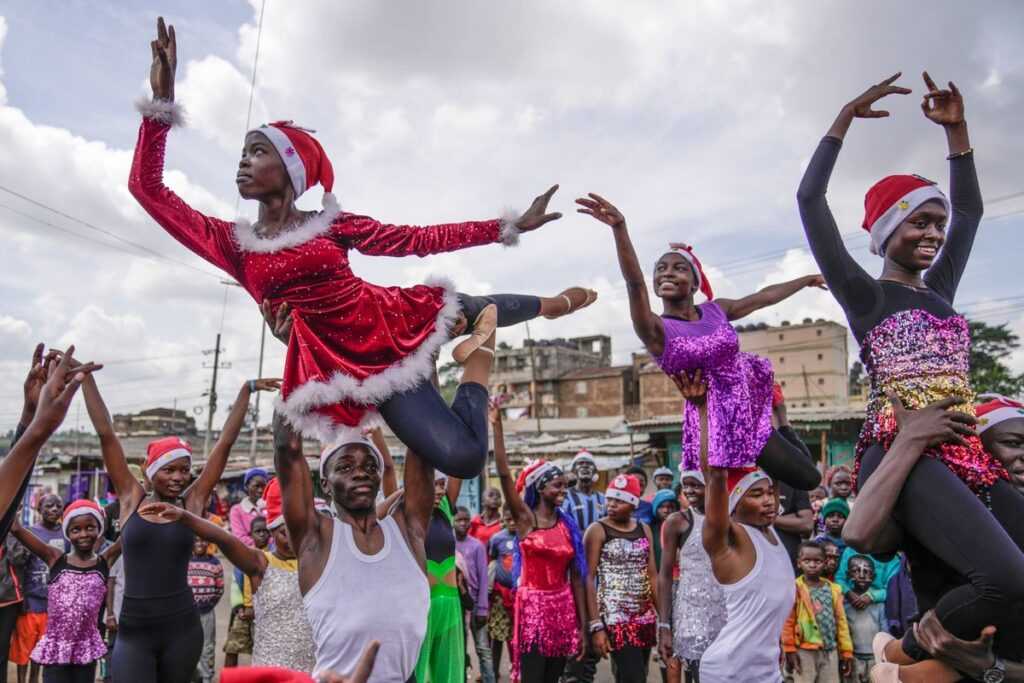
x,y
741,565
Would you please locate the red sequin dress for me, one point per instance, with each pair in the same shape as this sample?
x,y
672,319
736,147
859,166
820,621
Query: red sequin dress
x,y
353,343
545,613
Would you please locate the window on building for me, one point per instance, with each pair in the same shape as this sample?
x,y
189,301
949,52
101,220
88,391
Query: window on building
x,y
821,380
581,387
821,405
821,356
581,411
818,332
783,384
520,363
803,405
781,336
782,359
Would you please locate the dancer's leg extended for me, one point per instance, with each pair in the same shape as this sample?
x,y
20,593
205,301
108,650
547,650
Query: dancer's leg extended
x,y
518,308
452,439
785,461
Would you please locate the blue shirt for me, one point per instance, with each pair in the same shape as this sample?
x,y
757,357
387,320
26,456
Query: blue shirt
x,y
500,549
586,508
644,512
37,572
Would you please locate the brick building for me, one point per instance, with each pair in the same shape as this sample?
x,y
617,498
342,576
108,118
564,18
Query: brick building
x,y
597,392
155,422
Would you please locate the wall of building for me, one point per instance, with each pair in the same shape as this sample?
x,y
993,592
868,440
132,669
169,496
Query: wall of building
x,y
584,394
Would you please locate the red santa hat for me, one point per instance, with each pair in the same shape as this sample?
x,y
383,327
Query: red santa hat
x,y
626,488
686,251
739,480
996,410
272,504
165,450
78,509
304,159
891,200
533,472
263,674
583,456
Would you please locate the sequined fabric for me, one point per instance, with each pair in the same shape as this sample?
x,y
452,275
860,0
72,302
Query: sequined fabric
x,y
922,358
545,611
698,606
281,633
75,597
738,396
624,592
353,343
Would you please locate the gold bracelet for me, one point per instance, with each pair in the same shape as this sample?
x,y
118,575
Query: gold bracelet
x,y
957,155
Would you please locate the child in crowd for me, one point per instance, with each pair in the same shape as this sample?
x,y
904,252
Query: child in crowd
x,y
819,497
474,556
865,616
816,637
832,556
239,640
900,600
77,586
834,512
840,484
501,551
206,579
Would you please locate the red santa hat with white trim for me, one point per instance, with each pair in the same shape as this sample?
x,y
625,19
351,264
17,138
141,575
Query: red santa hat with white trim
x,y
891,201
739,480
686,251
273,504
998,409
626,488
533,472
163,451
78,509
304,159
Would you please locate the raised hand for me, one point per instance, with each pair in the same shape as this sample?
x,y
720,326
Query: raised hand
x,y
935,423
601,209
693,388
537,214
861,106
279,321
34,382
944,107
63,377
165,61
816,280
162,511
272,384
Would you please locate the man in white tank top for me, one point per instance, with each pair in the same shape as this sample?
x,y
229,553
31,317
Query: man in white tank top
x,y
362,577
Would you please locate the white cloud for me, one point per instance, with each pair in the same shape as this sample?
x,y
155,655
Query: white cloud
x,y
17,330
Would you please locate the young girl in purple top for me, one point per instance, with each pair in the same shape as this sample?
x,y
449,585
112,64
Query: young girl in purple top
x,y
72,644
698,340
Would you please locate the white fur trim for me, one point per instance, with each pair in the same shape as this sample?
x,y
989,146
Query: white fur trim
x,y
536,474
289,156
402,376
742,486
311,228
624,496
509,233
164,111
154,467
327,452
95,513
583,456
887,223
276,522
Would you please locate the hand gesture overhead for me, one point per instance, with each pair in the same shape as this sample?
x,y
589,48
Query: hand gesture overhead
x,y
693,388
34,382
63,377
944,107
935,423
537,214
861,106
165,61
601,209
279,321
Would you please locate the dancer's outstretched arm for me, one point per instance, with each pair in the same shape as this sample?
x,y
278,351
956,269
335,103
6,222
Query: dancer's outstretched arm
x,y
198,495
129,491
210,238
35,545
379,239
735,309
870,528
646,324
848,281
522,514
946,108
251,561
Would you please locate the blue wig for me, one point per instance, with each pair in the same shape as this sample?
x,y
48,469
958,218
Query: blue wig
x,y
531,496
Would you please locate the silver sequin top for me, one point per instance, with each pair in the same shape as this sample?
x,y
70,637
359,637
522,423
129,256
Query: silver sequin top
x,y
623,584
281,633
698,607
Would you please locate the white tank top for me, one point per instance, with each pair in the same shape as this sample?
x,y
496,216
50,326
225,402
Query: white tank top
x,y
361,597
747,648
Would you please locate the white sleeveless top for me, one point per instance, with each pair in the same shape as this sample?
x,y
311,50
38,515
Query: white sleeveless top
x,y
747,648
359,598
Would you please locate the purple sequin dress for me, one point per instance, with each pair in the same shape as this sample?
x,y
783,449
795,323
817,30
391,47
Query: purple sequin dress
x,y
739,397
75,595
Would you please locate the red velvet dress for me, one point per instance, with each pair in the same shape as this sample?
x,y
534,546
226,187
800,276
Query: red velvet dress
x,y
353,343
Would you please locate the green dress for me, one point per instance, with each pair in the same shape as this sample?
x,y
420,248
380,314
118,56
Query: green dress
x,y
443,655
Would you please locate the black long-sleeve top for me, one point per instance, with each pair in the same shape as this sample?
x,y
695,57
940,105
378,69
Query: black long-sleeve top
x,y
866,300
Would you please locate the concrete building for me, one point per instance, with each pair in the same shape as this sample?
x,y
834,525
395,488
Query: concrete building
x,y
597,392
810,360
529,374
155,422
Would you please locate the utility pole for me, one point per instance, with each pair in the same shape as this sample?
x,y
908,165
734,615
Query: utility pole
x,y
212,408
533,378
256,409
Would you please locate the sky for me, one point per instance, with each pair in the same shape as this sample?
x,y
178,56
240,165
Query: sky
x,y
696,119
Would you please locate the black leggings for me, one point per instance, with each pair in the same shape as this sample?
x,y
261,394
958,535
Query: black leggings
x,y
630,664
8,618
784,461
454,439
157,651
69,673
938,510
536,668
